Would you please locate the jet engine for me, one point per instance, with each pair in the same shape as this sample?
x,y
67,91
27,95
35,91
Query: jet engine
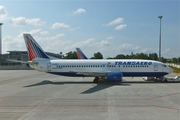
x,y
114,77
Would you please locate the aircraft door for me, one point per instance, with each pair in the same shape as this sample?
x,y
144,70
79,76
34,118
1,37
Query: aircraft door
x,y
49,66
155,66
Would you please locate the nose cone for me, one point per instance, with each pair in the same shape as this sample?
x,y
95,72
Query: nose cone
x,y
170,70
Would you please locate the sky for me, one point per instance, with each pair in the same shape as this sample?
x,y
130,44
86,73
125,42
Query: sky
x,y
111,27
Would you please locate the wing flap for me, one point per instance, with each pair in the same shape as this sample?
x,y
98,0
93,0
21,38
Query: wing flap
x,y
94,74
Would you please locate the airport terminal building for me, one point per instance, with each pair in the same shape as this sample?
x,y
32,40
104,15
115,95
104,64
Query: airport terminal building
x,y
22,56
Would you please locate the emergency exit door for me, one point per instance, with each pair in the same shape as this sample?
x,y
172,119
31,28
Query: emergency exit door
x,y
155,66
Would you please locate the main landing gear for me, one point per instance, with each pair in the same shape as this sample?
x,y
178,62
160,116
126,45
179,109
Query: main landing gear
x,y
96,80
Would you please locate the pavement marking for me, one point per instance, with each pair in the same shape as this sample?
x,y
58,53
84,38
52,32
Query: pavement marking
x,y
24,99
37,106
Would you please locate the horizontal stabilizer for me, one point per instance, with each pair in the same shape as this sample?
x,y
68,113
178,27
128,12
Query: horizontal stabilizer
x,y
25,62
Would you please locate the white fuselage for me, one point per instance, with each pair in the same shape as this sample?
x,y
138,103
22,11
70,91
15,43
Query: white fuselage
x,y
128,67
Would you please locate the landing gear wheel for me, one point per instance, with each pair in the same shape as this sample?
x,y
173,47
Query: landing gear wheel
x,y
96,80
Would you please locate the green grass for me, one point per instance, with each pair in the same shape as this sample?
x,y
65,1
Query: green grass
x,y
176,70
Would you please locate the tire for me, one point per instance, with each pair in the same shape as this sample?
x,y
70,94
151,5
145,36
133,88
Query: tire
x,y
165,81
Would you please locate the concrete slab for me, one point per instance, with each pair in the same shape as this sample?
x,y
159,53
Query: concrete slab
x,y
29,94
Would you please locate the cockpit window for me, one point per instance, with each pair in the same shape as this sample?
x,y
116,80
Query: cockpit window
x,y
164,65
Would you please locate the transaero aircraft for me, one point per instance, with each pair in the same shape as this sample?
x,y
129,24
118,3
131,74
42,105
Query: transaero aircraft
x,y
110,70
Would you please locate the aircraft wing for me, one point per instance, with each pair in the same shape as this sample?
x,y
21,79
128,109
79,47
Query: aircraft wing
x,y
94,73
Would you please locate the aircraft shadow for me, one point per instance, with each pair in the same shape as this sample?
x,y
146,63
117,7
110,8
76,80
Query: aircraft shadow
x,y
104,85
98,86
46,82
101,85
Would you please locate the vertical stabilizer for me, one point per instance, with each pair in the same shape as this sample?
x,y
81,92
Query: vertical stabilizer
x,y
34,50
80,54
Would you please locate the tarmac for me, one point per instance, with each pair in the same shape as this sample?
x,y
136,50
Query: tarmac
x,y
34,95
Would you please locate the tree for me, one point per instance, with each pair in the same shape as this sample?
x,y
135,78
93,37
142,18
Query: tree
x,y
128,57
120,56
153,56
71,55
174,60
164,60
97,55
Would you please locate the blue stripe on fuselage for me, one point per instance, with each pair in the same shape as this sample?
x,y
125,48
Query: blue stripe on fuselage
x,y
125,74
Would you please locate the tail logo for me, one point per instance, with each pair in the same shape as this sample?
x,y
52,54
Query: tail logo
x,y
80,54
34,50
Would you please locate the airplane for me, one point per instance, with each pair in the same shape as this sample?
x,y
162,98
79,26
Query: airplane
x,y
109,69
80,54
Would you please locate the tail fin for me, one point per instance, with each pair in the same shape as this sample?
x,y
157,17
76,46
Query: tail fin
x,y
80,54
34,50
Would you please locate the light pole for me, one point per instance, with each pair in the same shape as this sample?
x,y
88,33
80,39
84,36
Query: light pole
x,y
160,39
1,39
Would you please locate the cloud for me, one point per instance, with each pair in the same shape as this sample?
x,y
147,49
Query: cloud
x,y
36,32
120,27
2,10
56,37
22,21
3,13
80,10
116,21
63,26
110,37
13,43
60,26
50,43
103,43
88,42
127,46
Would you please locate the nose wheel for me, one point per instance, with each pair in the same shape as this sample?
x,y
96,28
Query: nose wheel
x,y
96,80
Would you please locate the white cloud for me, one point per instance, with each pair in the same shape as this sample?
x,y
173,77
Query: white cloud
x,y
36,32
72,29
116,21
3,13
103,43
80,10
22,21
60,26
63,26
88,42
13,43
2,10
120,27
56,37
110,37
50,43
131,47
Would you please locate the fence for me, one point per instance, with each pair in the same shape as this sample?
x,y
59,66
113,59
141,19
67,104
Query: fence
x,y
174,65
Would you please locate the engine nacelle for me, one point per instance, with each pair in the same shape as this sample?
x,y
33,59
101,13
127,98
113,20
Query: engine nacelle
x,y
114,77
